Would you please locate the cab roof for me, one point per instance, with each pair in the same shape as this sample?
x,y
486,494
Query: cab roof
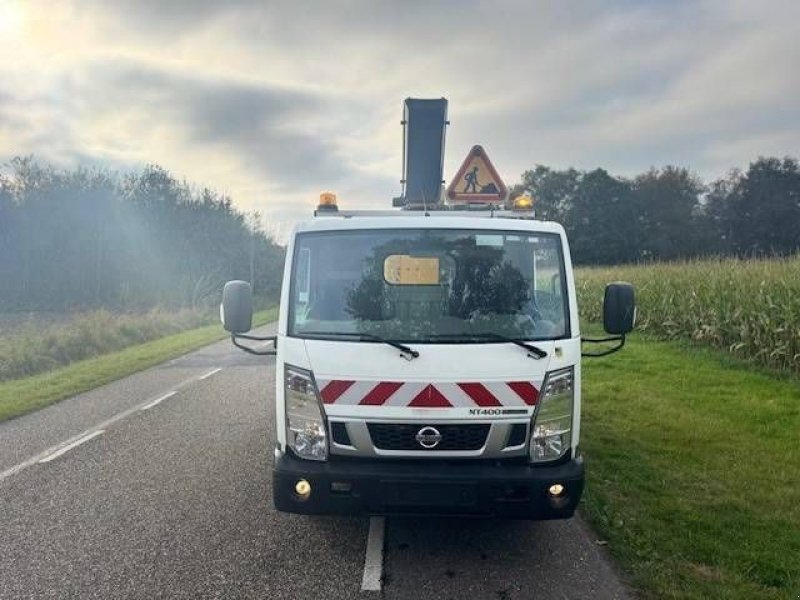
x,y
499,220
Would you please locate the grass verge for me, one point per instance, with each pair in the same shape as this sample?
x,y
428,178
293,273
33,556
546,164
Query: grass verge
x,y
693,470
33,344
21,396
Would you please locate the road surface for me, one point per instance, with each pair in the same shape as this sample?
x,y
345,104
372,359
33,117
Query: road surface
x,y
158,486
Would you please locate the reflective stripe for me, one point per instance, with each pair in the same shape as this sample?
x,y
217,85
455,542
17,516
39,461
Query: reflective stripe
x,y
334,389
525,390
479,393
406,393
455,395
428,395
355,393
504,394
381,393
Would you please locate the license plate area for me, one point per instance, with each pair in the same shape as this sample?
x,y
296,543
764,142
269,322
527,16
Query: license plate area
x,y
413,493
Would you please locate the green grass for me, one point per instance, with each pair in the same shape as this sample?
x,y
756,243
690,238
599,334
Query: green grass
x,y
693,462
35,344
750,308
21,396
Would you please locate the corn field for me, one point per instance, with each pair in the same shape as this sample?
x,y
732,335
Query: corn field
x,y
751,308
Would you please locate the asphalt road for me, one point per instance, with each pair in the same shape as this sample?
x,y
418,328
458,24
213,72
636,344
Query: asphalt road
x,y
173,500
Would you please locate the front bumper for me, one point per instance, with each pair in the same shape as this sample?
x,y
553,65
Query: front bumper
x,y
504,489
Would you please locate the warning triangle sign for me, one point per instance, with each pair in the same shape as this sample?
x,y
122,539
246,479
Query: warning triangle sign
x,y
477,181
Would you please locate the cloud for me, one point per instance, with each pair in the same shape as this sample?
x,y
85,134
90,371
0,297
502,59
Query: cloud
x,y
262,135
261,126
274,102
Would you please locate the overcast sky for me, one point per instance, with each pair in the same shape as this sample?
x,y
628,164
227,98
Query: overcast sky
x,y
276,102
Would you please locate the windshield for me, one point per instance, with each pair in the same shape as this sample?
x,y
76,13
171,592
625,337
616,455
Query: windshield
x,y
429,285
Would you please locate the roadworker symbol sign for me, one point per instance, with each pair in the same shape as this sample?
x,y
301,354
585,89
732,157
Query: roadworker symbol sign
x,y
477,181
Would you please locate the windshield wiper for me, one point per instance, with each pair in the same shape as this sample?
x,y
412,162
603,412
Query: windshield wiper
x,y
364,337
533,351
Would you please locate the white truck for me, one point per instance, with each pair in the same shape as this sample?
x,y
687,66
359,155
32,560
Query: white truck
x,y
428,361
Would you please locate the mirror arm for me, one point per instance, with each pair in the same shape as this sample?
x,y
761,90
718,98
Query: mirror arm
x,y
620,339
271,352
613,338
256,338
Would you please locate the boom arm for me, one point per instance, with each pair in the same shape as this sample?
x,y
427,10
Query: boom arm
x,y
424,123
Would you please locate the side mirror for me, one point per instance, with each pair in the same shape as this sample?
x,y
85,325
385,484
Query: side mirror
x,y
236,310
619,308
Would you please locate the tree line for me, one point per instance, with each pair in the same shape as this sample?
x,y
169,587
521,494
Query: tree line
x,y
88,238
669,213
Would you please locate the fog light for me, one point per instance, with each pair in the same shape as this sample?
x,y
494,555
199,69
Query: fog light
x,y
556,489
303,489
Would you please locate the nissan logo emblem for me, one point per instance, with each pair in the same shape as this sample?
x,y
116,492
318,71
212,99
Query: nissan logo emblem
x,y
428,437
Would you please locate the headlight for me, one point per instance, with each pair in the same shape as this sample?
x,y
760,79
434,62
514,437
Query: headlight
x,y
305,427
552,427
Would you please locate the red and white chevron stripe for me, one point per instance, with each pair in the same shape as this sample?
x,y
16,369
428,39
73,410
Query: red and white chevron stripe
x,y
428,395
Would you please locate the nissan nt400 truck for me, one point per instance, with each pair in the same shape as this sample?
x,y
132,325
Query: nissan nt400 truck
x,y
428,362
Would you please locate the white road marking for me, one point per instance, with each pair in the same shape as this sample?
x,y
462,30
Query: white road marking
x,y
209,374
373,558
158,400
45,453
68,447
99,426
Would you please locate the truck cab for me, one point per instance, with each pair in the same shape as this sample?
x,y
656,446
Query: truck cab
x,y
429,357
429,363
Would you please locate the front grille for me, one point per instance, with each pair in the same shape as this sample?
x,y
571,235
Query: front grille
x,y
402,436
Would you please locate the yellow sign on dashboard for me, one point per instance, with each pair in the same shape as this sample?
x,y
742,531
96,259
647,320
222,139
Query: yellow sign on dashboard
x,y
402,269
